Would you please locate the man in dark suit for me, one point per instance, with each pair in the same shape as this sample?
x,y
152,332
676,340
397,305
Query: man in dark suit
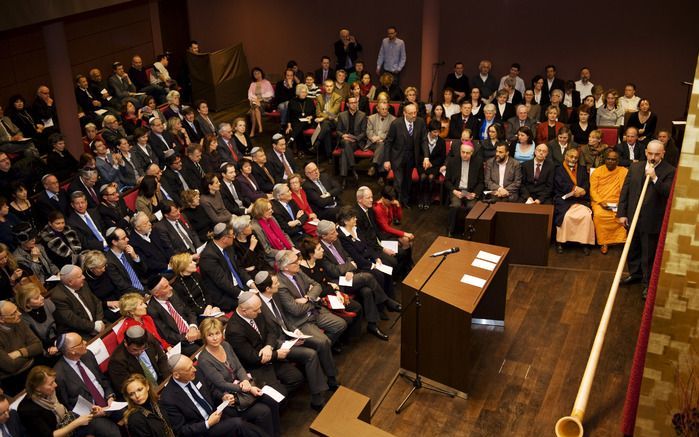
x,y
86,182
175,322
51,198
112,210
504,187
173,232
281,161
520,119
405,148
88,101
78,374
77,309
191,125
322,191
537,178
645,241
291,219
551,82
192,171
463,182
9,419
126,269
463,120
630,150
338,263
161,141
172,179
300,295
195,415
324,72
147,243
227,149
264,178
138,353
258,347
313,351
86,222
230,190
351,132
222,278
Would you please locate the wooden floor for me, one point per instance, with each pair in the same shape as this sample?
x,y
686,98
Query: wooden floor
x,y
527,374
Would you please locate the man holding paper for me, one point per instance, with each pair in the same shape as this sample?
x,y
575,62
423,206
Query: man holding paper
x,y
78,375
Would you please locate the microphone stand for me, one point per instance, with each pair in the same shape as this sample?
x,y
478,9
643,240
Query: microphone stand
x,y
417,381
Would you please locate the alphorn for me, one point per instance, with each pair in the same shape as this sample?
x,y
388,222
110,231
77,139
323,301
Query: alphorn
x,y
571,426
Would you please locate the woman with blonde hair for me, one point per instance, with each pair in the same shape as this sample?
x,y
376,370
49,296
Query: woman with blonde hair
x,y
40,411
187,284
132,306
37,313
610,114
267,230
143,416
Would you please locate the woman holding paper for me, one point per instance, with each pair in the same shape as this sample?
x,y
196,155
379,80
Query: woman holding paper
x,y
224,374
143,416
41,413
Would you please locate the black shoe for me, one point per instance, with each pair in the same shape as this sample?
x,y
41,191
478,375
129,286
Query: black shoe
x,y
393,306
426,205
629,280
644,293
376,332
586,250
318,407
333,385
559,248
336,349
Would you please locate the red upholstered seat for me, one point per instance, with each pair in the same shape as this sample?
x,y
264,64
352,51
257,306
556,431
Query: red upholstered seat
x,y
130,199
610,135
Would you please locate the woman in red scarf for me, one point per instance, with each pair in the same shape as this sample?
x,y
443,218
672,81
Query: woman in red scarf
x,y
267,230
133,307
298,195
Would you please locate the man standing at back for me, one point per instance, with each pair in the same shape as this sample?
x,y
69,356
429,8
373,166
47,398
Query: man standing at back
x,y
391,55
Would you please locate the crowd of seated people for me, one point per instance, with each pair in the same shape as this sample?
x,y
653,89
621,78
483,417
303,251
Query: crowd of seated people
x,y
194,243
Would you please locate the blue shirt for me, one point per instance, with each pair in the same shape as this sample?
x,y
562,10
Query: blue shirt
x,y
391,55
523,157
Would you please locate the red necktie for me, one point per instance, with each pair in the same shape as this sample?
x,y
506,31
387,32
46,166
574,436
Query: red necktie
x,y
537,172
96,396
233,154
179,321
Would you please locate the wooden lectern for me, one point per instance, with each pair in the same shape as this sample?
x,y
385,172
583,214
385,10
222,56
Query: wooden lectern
x,y
449,306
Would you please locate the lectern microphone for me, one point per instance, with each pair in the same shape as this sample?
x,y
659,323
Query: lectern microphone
x,y
445,252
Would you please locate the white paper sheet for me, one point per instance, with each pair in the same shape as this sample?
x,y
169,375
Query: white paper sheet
x,y
116,406
82,406
296,334
483,264
98,348
272,393
313,222
472,280
390,245
175,350
15,404
158,215
53,278
200,248
343,282
288,344
116,327
384,268
335,302
222,406
488,256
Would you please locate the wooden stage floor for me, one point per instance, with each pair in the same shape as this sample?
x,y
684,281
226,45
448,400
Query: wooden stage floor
x,y
526,375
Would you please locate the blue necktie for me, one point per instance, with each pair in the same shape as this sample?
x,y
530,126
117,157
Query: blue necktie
x,y
410,129
200,400
291,213
93,228
235,275
132,274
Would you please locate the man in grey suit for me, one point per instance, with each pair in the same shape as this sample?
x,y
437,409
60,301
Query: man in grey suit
x,y
503,176
405,148
300,299
78,374
376,131
77,309
521,119
351,130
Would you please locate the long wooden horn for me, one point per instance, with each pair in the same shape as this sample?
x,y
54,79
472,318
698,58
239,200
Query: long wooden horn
x,y
571,426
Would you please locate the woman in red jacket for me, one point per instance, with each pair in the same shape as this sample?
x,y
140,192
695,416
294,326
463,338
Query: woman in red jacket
x,y
388,212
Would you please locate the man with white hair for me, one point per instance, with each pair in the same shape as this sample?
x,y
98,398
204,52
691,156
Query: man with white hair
x,y
227,149
300,298
77,309
147,243
520,119
18,344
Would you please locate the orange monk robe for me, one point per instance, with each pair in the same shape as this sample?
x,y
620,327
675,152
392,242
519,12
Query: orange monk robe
x,y
605,186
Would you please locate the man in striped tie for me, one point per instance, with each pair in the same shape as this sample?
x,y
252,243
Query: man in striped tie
x,y
175,322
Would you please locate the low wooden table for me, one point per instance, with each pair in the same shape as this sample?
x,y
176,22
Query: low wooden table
x,y
347,414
